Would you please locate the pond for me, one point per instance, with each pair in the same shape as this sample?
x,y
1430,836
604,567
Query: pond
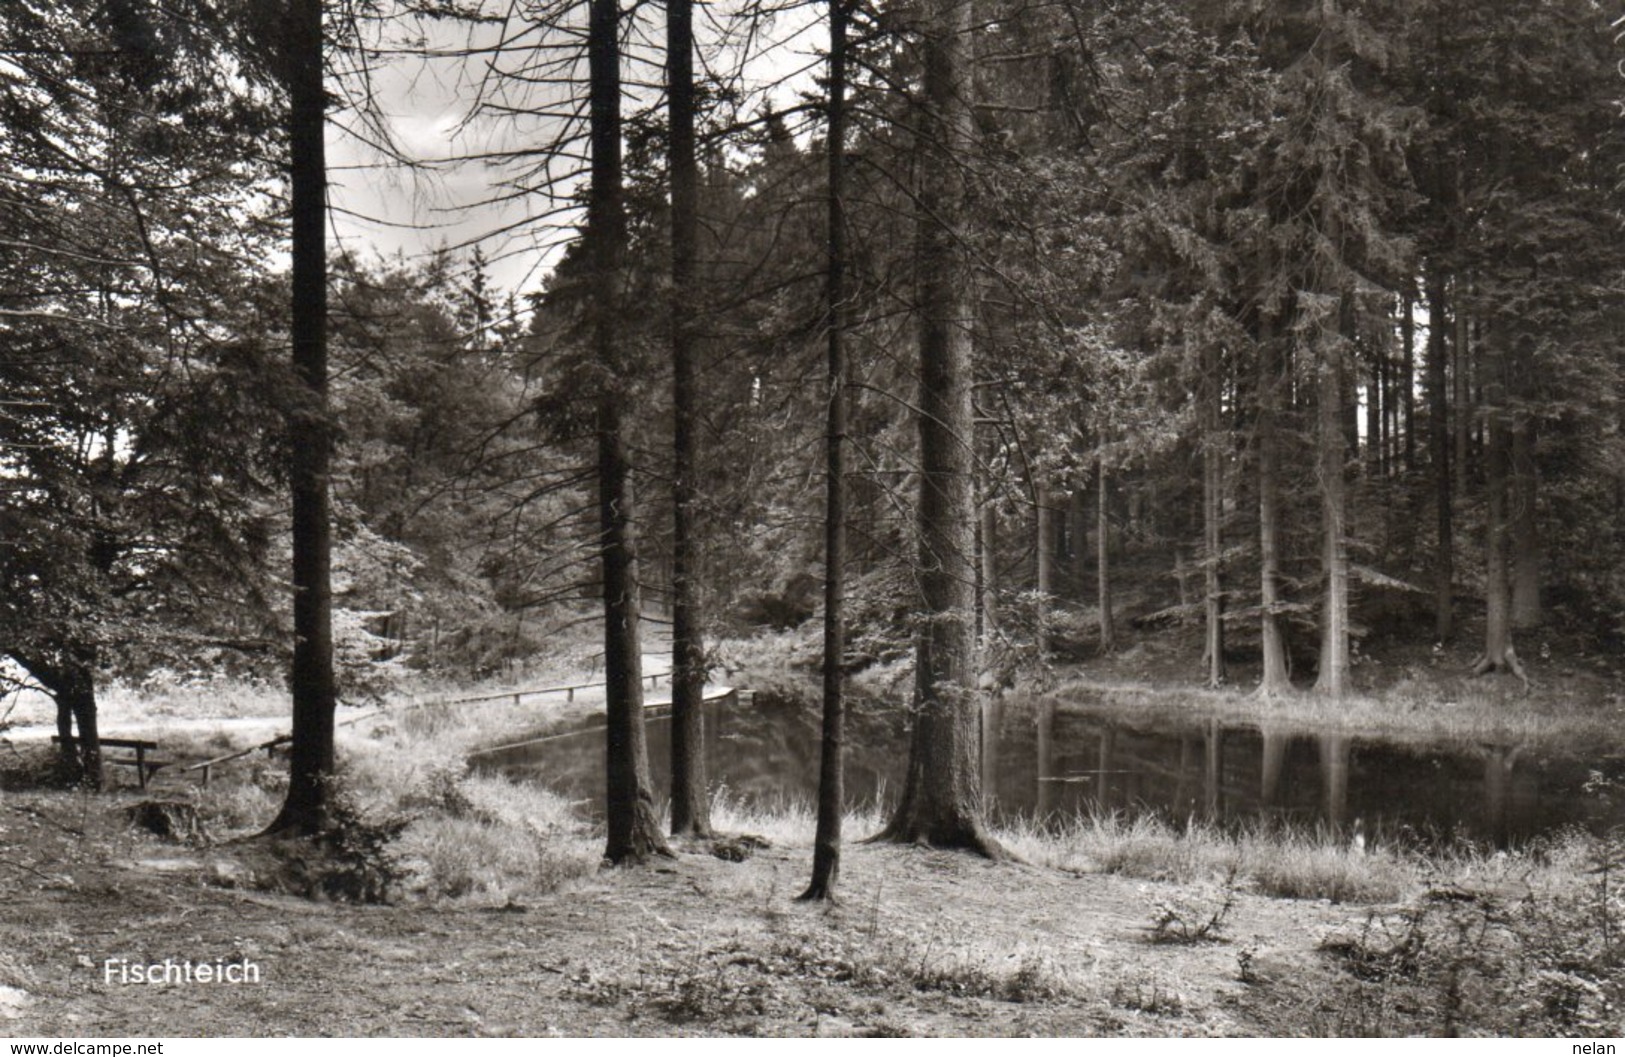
x,y
1047,763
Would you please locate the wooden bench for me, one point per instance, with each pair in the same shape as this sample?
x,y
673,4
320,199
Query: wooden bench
x,y
144,768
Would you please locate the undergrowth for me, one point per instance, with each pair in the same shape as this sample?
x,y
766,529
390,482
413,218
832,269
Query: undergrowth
x,y
1268,860
735,978
1194,914
1532,945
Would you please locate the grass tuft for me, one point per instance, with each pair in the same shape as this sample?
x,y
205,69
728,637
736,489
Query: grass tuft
x,y
1271,861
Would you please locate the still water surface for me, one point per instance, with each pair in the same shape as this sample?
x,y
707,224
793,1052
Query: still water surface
x,y
1048,763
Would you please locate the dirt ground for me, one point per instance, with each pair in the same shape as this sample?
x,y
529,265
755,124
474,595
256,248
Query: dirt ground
x,y
923,943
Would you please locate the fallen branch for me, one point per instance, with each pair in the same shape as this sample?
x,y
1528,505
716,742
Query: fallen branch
x,y
26,868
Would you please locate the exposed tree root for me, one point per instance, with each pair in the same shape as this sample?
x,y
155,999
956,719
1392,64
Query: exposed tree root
x,y
1268,692
643,843
696,831
641,855
964,835
822,890
826,869
1483,664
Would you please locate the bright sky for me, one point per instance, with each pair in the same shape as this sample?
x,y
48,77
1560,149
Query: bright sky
x,y
382,209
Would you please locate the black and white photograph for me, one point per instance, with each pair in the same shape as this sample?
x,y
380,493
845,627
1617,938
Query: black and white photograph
x,y
582,519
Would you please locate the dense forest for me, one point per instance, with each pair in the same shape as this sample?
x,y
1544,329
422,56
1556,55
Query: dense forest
x,y
991,335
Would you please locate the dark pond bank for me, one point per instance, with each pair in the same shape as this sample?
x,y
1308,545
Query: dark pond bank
x,y
1048,763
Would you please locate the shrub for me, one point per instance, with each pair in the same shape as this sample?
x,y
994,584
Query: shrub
x,y
1194,915
1529,951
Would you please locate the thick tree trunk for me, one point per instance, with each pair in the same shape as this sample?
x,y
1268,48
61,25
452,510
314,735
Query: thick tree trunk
x,y
311,759
941,802
1274,679
690,797
1499,654
1103,537
1212,518
70,678
78,695
633,827
1526,608
1334,630
67,754
630,818
831,769
1439,453
1497,593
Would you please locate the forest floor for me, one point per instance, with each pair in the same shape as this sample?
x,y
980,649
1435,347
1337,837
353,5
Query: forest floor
x,y
923,942
1149,933
518,931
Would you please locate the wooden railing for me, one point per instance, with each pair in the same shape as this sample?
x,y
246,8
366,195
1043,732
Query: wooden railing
x,y
518,695
569,692
721,693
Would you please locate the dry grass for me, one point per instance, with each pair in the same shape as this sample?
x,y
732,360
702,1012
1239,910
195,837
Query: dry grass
x,y
791,821
468,836
494,839
1283,863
